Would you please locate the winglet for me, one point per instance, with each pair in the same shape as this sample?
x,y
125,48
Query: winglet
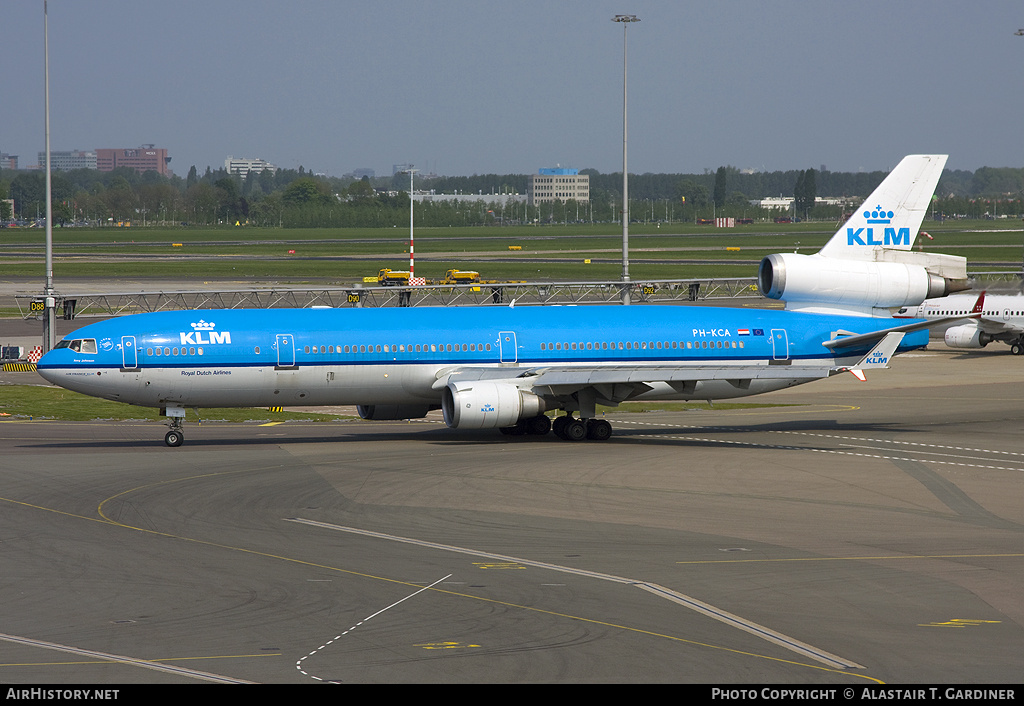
x,y
879,355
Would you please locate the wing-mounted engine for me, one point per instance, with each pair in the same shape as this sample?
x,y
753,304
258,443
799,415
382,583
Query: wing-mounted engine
x,y
967,336
488,404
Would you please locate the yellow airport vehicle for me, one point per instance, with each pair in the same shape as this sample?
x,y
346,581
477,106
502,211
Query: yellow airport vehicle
x,y
391,278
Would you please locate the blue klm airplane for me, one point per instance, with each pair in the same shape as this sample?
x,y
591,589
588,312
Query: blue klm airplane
x,y
503,367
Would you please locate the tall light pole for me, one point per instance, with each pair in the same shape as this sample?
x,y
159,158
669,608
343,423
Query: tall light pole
x,y
412,238
49,300
625,20
1020,33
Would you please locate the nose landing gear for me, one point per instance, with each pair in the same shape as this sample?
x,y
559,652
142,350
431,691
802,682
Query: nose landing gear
x,y
174,437
176,416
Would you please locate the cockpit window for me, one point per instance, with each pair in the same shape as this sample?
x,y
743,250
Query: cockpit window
x,y
82,345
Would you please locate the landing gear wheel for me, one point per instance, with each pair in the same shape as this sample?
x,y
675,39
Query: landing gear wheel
x,y
174,438
558,426
575,430
1016,348
538,426
598,430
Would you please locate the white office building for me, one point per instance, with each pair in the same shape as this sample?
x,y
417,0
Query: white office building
x,y
242,166
66,160
558,184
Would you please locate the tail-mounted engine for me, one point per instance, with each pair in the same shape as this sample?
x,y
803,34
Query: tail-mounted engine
x,y
815,281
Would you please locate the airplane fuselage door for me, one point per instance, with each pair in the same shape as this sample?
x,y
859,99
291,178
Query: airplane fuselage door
x,y
508,352
285,350
129,356
780,344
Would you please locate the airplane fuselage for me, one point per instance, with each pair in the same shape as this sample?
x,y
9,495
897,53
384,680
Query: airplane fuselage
x,y
242,358
1002,319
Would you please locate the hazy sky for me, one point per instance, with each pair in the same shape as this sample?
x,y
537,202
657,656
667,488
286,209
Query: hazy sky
x,y
475,86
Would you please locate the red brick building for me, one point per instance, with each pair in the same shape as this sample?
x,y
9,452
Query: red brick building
x,y
142,159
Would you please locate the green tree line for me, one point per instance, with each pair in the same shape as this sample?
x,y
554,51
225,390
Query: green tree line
x,y
297,198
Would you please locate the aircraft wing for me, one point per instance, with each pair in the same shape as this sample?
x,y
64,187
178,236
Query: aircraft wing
x,y
611,384
580,376
996,327
614,384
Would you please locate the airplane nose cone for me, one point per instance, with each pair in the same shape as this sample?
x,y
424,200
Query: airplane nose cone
x,y
46,372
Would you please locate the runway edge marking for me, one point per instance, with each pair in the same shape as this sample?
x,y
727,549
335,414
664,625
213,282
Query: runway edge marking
x,y
121,659
706,609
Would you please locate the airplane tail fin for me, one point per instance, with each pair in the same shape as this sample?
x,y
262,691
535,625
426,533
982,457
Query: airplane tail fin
x,y
893,213
979,306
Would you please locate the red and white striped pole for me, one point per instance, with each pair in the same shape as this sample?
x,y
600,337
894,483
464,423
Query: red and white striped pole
x,y
412,237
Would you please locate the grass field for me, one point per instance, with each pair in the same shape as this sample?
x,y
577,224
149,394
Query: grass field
x,y
45,402
665,251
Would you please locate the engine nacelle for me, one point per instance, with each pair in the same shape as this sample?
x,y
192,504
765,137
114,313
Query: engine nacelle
x,y
966,336
807,280
485,404
393,411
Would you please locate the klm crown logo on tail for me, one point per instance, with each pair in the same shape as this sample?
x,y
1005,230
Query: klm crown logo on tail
x,y
866,236
879,215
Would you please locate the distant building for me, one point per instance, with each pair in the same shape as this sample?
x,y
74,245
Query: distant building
x,y
785,203
558,184
362,172
8,161
777,203
242,166
503,199
66,160
141,159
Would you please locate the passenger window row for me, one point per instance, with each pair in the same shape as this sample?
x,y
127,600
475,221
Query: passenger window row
x,y
638,345
400,348
174,351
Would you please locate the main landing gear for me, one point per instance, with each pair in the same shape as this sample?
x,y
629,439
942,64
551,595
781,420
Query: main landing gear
x,y
566,427
571,429
1017,347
